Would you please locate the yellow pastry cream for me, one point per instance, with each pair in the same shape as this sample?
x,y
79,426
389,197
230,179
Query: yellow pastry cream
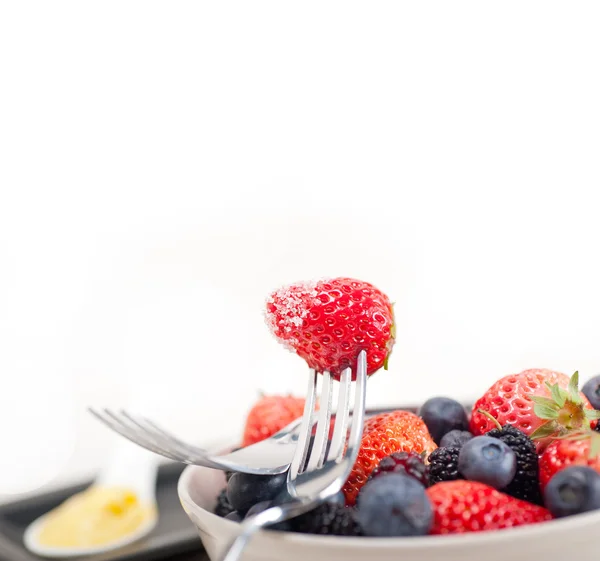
x,y
95,517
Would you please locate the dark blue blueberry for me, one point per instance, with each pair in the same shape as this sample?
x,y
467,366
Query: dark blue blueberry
x,y
245,490
573,490
258,507
234,516
338,499
394,505
487,460
441,415
455,439
264,505
591,390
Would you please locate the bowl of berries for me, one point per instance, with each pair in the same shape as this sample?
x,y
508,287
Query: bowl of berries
x,y
515,475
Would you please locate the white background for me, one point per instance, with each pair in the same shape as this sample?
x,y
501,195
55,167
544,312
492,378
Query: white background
x,y
163,165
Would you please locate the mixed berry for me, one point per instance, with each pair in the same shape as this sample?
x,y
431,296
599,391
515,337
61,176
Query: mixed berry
x,y
526,452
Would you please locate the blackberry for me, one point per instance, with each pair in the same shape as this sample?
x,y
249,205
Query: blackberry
x,y
327,519
402,462
223,507
525,485
443,465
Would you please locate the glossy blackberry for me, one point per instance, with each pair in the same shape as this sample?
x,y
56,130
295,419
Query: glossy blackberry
x,y
443,465
328,519
223,507
403,462
525,484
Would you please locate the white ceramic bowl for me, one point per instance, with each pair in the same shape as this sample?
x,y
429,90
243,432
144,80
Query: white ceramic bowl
x,y
575,537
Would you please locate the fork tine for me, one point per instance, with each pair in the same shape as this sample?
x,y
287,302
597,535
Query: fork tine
x,y
112,421
317,454
162,438
358,413
340,429
301,451
172,437
143,438
179,452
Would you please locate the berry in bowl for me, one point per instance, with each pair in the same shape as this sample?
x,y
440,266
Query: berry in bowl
x,y
414,505
516,476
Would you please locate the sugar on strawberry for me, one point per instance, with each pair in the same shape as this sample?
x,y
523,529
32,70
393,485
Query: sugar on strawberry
x,y
328,322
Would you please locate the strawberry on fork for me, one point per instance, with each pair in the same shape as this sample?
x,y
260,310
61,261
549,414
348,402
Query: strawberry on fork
x,y
328,323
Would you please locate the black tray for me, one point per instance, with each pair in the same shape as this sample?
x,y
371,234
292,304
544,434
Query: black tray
x,y
174,534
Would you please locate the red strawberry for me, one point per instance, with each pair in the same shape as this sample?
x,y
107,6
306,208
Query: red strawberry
x,y
384,434
330,321
269,415
468,506
542,403
580,450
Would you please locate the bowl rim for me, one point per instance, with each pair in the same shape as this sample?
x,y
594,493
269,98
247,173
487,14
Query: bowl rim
x,y
448,541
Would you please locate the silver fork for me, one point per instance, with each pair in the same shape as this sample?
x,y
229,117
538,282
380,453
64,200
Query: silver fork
x,y
315,477
267,457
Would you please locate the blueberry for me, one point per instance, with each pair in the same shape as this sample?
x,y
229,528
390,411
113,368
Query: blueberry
x,y
258,507
394,505
264,505
591,390
234,516
487,460
245,490
455,439
441,415
573,490
229,474
338,499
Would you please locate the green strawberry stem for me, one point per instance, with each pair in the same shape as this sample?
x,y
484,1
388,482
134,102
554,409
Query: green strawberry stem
x,y
490,417
565,412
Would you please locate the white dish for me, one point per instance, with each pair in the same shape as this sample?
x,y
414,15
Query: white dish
x,y
130,467
556,540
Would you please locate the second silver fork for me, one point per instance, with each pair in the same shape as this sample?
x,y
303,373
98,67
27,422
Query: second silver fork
x,y
317,474
266,457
